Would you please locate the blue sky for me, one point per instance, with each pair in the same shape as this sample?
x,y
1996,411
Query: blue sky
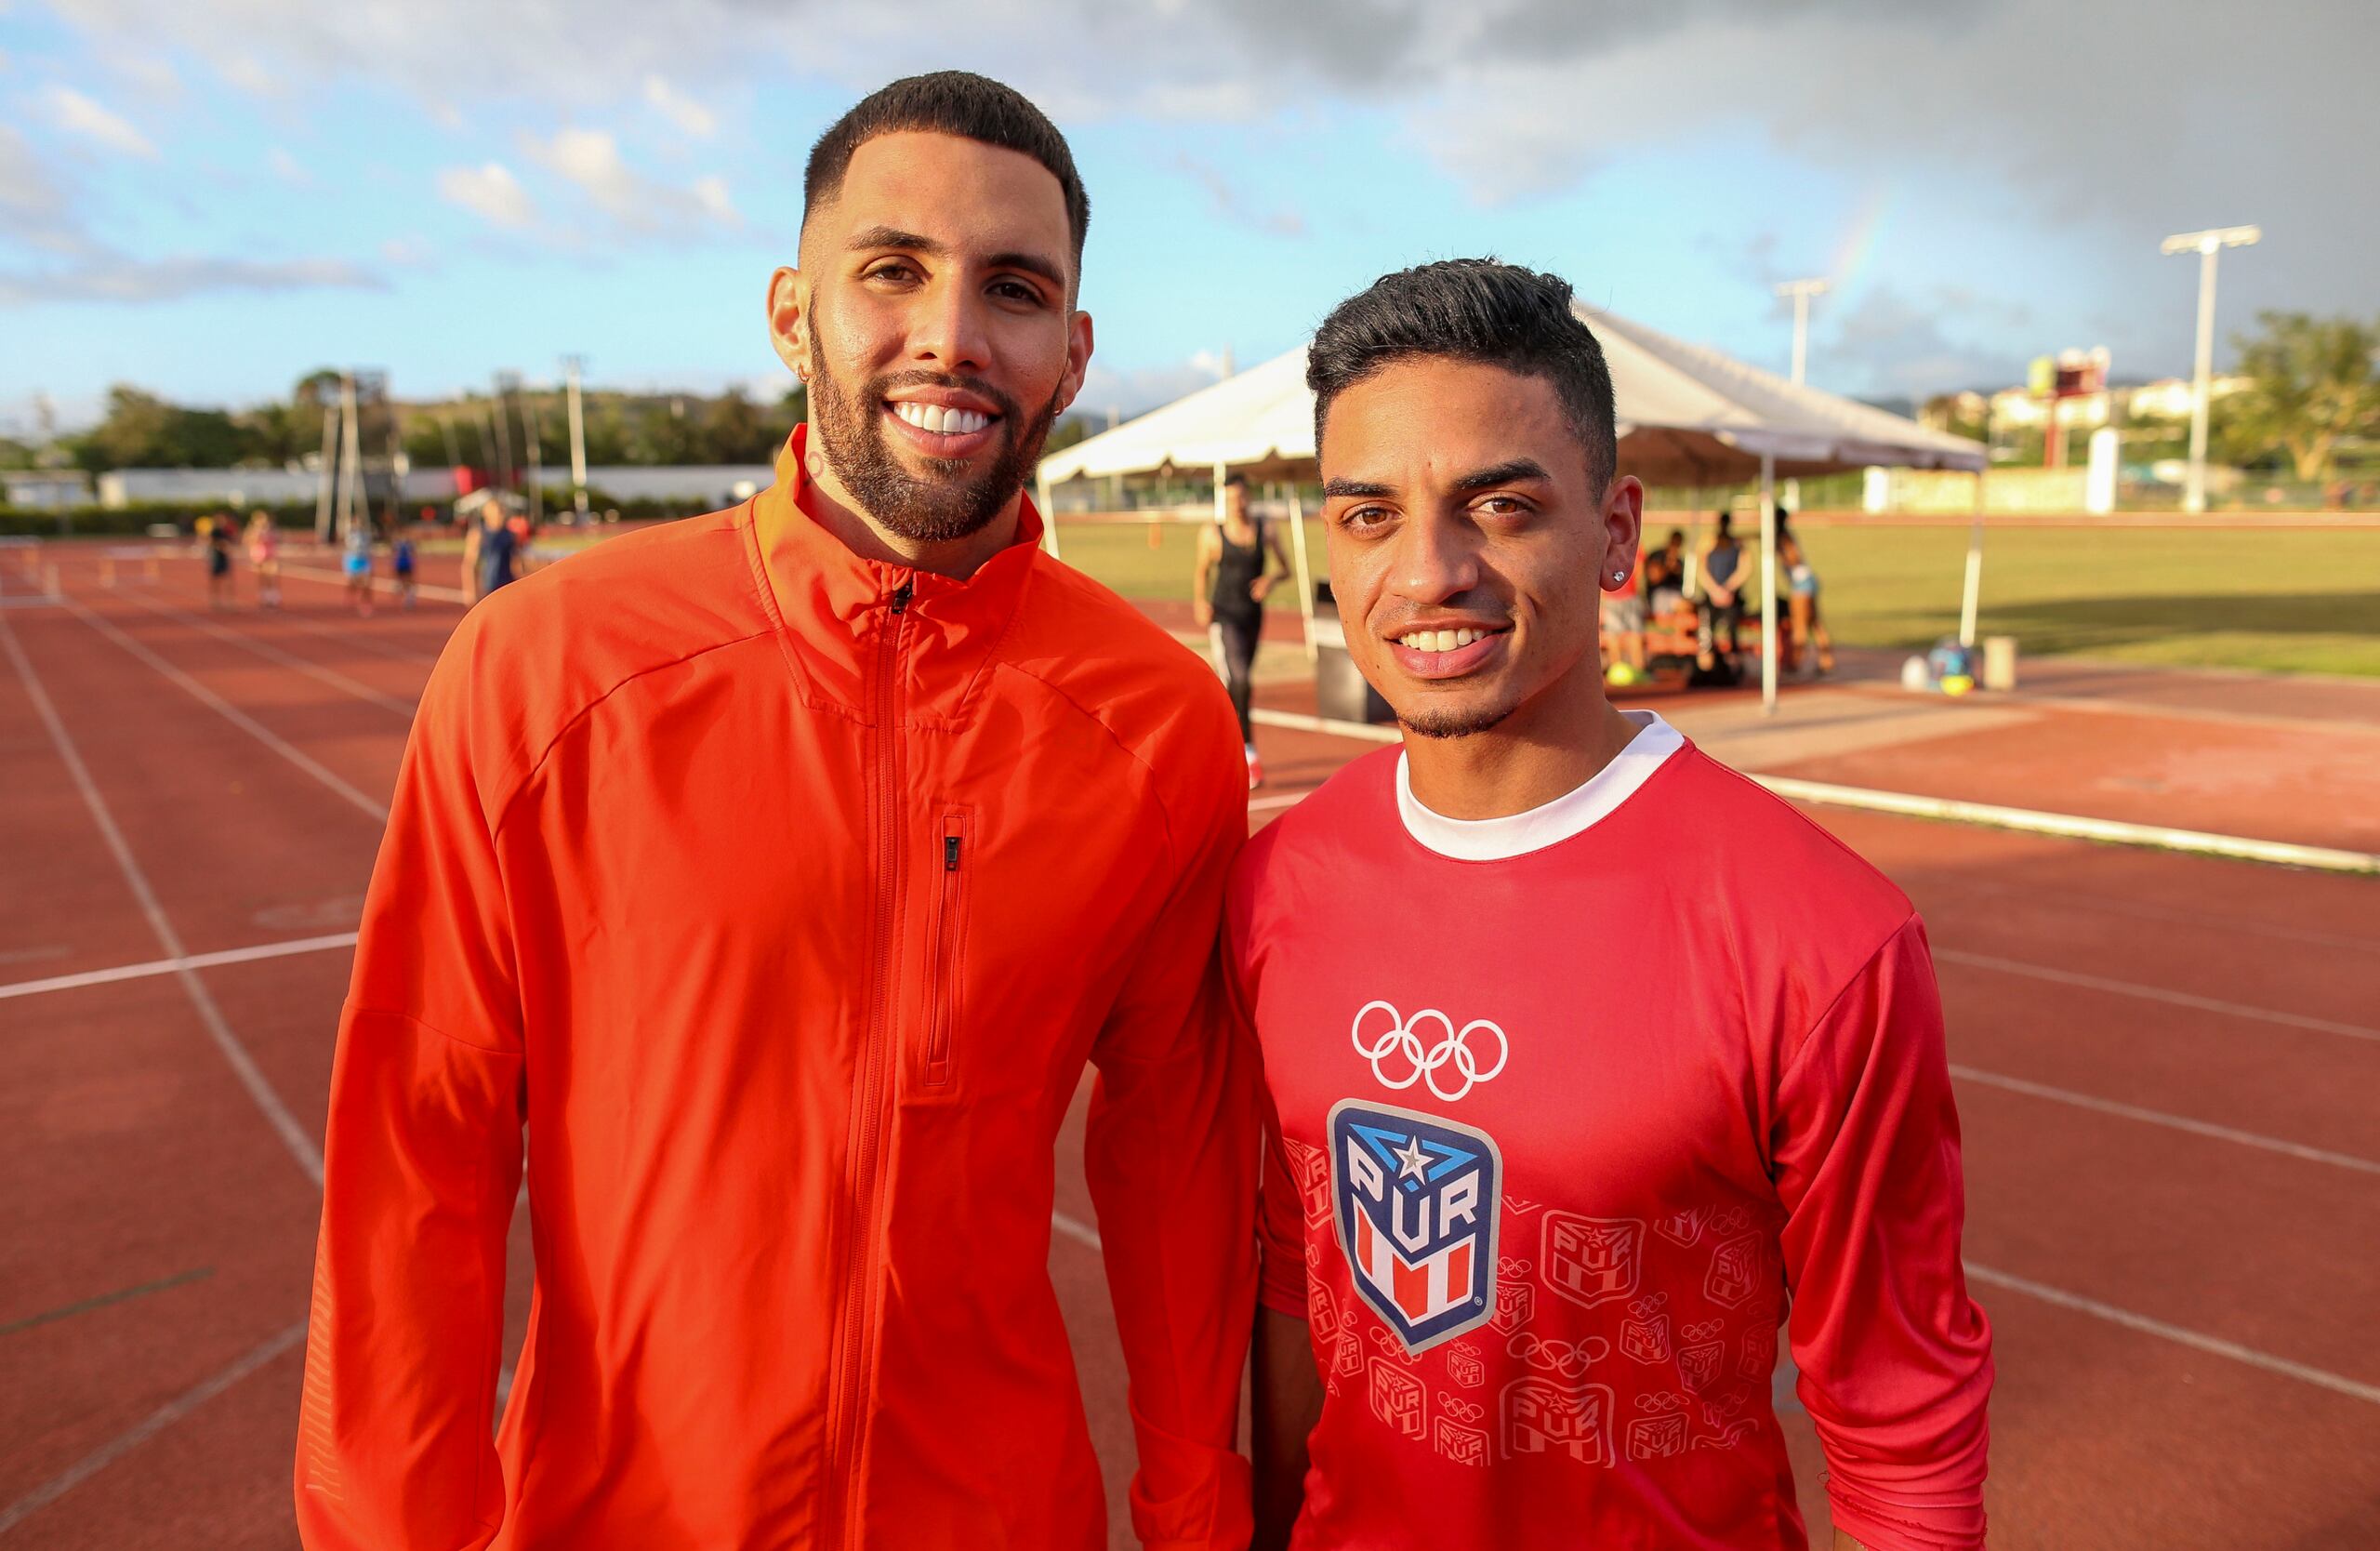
x,y
210,200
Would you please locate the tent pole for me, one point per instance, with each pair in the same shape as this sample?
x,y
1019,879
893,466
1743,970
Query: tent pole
x,y
1305,573
1768,584
1049,518
1973,592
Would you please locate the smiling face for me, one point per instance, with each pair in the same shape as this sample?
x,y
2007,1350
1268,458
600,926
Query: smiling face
x,y
933,316
1468,545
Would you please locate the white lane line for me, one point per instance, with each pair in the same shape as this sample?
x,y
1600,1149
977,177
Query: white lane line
x,y
358,639
2153,993
2215,1345
229,712
174,966
292,1135
157,1421
2158,1117
380,583
273,653
2035,899
1075,1229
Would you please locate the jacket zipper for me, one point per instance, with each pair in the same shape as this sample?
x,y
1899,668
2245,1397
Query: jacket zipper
x,y
859,1257
949,926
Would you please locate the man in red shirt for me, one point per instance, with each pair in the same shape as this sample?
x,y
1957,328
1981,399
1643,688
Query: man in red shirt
x,y
1590,1060
780,870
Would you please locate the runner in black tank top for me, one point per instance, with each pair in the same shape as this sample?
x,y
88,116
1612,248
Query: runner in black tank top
x,y
1235,608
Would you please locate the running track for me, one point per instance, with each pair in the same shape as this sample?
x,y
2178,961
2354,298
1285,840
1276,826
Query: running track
x,y
2169,1071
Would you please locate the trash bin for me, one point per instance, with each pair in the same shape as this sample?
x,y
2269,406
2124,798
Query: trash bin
x,y
1340,692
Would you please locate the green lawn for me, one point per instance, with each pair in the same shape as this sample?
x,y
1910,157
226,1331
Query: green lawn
x,y
2306,601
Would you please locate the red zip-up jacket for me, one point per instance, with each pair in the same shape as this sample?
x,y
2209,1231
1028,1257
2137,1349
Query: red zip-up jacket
x,y
782,895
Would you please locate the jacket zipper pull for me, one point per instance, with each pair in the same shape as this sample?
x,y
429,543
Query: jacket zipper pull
x,y
900,597
950,853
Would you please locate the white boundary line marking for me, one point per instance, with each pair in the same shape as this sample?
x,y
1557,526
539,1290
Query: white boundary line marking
x,y
2339,1384
2069,826
380,583
2159,1118
172,966
2153,993
292,1135
273,653
229,712
157,1421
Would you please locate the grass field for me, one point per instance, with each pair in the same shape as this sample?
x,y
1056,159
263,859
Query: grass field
x,y
2301,601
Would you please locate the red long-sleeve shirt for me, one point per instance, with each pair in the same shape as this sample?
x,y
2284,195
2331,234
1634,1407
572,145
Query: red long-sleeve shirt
x,y
782,895
1570,1107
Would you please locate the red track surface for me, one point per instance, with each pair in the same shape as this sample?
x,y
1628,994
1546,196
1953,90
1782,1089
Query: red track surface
x,y
2184,1286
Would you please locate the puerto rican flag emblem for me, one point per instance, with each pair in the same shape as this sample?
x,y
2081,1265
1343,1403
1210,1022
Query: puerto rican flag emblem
x,y
1415,1199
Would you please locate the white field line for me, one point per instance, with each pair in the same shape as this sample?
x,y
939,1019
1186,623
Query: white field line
x,y
157,1421
2153,993
229,712
2214,1344
2159,1118
273,653
175,966
292,1135
380,583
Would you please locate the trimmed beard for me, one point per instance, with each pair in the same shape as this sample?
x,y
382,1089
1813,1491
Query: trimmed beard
x,y
949,502
1453,724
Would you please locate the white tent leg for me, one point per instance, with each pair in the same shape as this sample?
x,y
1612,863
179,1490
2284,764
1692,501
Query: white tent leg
x,y
1973,596
1049,518
1306,574
1767,584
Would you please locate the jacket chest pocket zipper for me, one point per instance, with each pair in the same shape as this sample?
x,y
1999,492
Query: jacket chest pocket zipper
x,y
949,947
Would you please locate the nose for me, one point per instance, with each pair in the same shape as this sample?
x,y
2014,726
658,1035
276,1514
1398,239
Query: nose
x,y
1436,559
947,332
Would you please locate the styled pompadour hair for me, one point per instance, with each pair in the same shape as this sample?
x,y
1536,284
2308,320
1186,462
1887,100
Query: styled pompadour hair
x,y
948,102
1478,310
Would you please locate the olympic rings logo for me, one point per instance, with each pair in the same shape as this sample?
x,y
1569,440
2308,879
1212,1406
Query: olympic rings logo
x,y
1400,1045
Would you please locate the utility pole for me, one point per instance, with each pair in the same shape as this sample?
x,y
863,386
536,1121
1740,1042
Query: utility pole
x,y
1801,291
2206,245
572,366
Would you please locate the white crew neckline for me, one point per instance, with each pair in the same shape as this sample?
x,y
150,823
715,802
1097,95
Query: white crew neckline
x,y
1573,813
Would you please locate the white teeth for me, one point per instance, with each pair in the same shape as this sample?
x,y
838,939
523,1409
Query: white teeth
x,y
941,421
1441,641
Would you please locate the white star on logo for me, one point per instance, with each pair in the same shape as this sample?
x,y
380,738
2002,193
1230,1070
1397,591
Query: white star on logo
x,y
1416,1162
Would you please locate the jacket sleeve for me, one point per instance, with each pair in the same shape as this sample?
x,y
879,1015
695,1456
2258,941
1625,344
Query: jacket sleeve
x,y
421,1162
1171,1154
1894,1358
1281,1264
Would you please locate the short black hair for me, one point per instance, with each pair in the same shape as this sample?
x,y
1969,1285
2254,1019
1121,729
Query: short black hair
x,y
1234,478
948,102
1477,310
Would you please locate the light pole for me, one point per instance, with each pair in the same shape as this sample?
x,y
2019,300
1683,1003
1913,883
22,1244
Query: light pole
x,y
2206,245
572,366
1802,291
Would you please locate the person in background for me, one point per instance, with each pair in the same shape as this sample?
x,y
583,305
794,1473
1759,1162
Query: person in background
x,y
356,561
1623,621
401,563
1722,568
472,527
1227,599
218,562
1807,624
264,557
496,558
1665,577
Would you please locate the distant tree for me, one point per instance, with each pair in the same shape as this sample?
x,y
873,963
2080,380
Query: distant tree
x,y
2312,384
140,430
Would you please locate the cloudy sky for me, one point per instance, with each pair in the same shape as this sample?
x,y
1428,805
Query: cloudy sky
x,y
211,197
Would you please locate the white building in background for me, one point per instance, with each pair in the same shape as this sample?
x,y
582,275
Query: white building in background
x,y
45,489
700,487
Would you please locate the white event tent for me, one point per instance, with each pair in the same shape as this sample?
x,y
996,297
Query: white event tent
x,y
1687,416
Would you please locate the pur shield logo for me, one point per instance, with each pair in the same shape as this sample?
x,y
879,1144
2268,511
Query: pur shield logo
x,y
1405,1051
1415,1199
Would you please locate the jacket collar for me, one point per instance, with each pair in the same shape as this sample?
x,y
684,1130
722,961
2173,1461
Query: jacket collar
x,y
835,609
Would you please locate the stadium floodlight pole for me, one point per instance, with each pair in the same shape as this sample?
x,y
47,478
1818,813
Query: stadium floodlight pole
x,y
1802,291
571,366
2206,245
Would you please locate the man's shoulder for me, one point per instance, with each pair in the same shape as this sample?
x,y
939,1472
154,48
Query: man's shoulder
x,y
1103,656
1738,838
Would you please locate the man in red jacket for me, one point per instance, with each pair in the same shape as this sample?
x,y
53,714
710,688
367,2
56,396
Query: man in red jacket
x,y
1589,1057
780,870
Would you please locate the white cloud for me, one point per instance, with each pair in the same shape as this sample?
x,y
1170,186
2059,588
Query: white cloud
x,y
1234,205
35,212
117,279
680,109
489,191
406,253
287,167
77,114
590,161
710,192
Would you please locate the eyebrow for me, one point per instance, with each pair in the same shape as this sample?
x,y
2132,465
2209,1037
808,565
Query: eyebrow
x,y
1350,488
875,237
1513,472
